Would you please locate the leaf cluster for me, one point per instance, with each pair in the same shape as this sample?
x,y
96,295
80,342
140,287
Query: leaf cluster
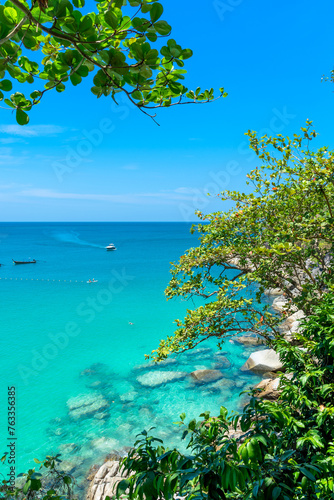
x,y
120,43
278,236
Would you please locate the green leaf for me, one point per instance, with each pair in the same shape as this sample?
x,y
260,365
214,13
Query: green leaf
x,y
26,486
156,12
186,54
6,85
75,79
22,119
10,15
111,19
162,27
307,473
79,3
276,493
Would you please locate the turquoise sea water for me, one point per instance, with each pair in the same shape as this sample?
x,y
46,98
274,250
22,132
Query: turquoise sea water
x,y
62,337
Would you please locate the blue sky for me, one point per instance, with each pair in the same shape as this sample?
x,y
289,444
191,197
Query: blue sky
x,y
83,159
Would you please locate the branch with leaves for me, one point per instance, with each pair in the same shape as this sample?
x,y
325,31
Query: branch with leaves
x,y
122,48
278,236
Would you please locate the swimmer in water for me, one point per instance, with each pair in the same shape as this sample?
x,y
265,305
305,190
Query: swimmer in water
x,y
130,323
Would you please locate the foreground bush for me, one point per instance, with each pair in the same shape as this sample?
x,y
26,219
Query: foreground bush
x,y
286,451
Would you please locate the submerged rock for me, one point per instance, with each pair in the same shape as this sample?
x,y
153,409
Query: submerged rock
x,y
263,361
151,365
157,377
69,466
222,385
104,444
68,448
86,405
248,340
221,362
206,376
128,397
201,351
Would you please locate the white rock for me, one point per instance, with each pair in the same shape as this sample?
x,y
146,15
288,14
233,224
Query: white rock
x,y
273,291
263,361
105,481
280,303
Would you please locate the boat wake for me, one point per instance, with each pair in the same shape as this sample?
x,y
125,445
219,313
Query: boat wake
x,y
72,237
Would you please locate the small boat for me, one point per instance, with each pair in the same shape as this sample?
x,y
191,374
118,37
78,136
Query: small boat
x,y
111,246
24,261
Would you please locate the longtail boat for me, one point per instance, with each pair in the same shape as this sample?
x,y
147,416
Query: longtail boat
x,y
24,261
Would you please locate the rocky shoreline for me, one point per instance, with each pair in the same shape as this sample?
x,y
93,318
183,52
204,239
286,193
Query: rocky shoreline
x,y
265,362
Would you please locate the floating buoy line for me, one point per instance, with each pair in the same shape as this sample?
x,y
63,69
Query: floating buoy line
x,y
42,279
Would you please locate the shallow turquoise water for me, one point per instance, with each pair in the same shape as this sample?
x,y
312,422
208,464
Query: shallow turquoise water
x,y
62,337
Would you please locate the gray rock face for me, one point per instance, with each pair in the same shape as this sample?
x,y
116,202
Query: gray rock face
x,y
291,325
273,291
269,389
206,376
156,378
263,361
105,481
86,405
280,303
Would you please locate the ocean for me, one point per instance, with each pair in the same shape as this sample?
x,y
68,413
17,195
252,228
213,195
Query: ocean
x,y
74,351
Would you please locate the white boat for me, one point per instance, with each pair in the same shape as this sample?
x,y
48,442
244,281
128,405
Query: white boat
x,y
111,246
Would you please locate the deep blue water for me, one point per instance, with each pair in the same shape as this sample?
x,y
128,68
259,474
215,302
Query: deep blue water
x,y
62,337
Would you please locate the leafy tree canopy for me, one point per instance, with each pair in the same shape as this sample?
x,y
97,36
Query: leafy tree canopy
x,y
278,236
125,43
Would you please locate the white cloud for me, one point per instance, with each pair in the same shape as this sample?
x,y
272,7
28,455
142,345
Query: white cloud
x,y
133,198
32,131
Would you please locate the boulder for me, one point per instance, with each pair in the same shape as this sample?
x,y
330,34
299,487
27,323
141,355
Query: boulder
x,y
206,376
269,389
273,291
105,481
263,361
271,375
157,377
280,303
